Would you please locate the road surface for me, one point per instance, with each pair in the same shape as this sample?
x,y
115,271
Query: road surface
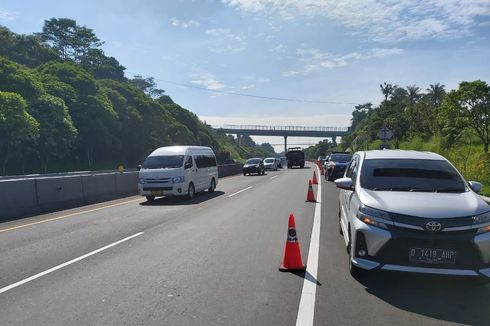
x,y
210,261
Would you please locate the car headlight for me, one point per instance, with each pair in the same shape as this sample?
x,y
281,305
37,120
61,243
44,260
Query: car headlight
x,y
141,181
374,217
178,179
482,220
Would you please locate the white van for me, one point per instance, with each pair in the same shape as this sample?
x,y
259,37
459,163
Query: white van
x,y
178,171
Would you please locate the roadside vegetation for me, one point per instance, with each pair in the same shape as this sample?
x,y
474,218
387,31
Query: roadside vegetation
x,y
455,124
65,105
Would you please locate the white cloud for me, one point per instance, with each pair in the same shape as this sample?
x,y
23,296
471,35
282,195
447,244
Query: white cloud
x,y
280,48
174,21
224,41
7,15
381,20
316,60
208,81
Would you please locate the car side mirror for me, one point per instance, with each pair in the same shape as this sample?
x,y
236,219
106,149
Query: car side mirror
x,y
344,183
138,167
188,165
475,186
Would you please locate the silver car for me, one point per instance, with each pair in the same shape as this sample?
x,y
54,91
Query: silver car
x,y
413,212
270,163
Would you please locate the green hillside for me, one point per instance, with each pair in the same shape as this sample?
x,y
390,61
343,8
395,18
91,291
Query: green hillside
x,y
65,105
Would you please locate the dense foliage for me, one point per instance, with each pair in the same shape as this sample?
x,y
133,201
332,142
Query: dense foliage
x,y
455,124
65,105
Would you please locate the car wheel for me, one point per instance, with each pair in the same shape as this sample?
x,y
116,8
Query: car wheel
x,y
191,191
244,173
150,198
212,186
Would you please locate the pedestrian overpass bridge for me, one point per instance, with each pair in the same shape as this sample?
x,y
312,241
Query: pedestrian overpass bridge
x,y
284,131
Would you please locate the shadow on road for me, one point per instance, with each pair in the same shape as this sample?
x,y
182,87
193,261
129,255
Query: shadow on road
x,y
306,275
454,299
178,201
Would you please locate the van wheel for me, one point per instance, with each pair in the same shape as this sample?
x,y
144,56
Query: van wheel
x,y
212,186
191,191
150,198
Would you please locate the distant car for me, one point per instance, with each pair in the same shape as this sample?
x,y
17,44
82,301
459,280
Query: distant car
x,y
279,163
254,165
412,211
320,160
270,163
336,165
284,161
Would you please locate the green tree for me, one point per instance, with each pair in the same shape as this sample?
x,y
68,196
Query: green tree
x,y
101,66
147,85
387,89
56,132
70,40
436,94
414,94
468,106
19,131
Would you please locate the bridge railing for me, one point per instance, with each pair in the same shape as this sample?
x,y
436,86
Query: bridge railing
x,y
282,128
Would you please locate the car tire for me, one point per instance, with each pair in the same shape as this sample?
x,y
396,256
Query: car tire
x,y
191,191
212,186
150,198
244,173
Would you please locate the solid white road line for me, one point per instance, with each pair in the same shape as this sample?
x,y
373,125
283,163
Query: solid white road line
x,y
274,177
306,310
31,278
236,193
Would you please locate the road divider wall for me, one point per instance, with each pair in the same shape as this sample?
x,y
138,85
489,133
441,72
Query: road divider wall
x,y
31,195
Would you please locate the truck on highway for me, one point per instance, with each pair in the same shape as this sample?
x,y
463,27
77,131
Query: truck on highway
x,y
296,157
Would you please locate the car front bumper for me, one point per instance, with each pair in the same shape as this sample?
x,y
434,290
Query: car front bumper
x,y
388,250
176,189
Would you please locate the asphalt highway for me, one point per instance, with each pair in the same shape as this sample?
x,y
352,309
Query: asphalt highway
x,y
212,260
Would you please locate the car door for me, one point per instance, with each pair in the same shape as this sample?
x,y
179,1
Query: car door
x,y
190,171
346,195
201,171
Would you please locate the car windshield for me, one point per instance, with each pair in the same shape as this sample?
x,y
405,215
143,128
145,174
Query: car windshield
x,y
411,175
253,161
320,158
340,157
269,160
163,162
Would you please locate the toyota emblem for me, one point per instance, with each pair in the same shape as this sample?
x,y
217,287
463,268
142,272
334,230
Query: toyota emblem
x,y
433,226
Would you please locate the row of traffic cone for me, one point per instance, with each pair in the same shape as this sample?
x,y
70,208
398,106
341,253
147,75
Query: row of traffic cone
x,y
292,261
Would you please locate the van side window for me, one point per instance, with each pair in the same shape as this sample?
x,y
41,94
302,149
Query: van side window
x,y
189,161
205,160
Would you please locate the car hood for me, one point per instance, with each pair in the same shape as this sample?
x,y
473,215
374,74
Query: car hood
x,y
160,173
425,204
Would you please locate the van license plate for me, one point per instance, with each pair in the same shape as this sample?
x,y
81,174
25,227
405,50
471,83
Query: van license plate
x,y
157,193
432,256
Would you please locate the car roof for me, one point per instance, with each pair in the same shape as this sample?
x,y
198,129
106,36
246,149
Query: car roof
x,y
179,150
401,154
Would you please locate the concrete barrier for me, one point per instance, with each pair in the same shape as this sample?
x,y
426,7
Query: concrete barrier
x,y
31,195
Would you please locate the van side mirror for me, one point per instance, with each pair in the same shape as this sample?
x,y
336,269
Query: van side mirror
x,y
138,167
344,183
475,186
188,165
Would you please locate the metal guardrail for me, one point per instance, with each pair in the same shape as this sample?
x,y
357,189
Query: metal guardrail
x,y
281,128
60,174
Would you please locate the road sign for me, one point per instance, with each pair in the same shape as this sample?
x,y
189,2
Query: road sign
x,y
385,133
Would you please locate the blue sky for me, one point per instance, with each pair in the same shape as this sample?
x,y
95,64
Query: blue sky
x,y
317,50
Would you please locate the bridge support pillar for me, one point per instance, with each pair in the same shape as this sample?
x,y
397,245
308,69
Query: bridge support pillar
x,y
239,137
285,144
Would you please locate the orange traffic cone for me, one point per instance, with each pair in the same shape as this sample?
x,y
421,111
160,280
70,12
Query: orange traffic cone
x,y
314,180
292,254
310,196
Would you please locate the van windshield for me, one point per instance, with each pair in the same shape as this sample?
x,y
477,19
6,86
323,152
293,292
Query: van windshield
x,y
163,162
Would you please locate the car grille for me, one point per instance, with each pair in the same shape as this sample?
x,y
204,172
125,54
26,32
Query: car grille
x,y
421,222
161,180
396,250
156,188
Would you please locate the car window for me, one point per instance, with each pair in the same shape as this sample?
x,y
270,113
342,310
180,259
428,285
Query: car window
x,y
340,157
355,168
253,161
163,162
189,161
269,160
411,175
350,168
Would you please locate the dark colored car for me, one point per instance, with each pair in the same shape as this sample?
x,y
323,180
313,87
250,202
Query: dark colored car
x,y
336,165
254,165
